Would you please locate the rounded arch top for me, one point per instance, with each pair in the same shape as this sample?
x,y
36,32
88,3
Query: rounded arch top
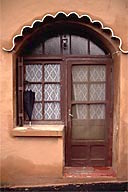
x,y
96,25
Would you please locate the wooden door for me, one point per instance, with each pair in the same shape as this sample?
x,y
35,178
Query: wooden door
x,y
89,112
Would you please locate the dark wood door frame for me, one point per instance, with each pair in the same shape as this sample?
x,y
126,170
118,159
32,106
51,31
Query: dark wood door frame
x,y
109,103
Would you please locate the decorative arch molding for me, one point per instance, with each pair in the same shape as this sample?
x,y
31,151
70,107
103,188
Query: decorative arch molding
x,y
83,17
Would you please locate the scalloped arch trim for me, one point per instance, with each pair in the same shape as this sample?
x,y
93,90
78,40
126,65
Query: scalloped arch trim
x,y
67,15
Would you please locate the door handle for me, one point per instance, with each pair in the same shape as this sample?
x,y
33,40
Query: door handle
x,y
70,115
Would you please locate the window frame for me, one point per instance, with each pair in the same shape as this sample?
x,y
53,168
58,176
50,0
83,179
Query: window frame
x,y
21,88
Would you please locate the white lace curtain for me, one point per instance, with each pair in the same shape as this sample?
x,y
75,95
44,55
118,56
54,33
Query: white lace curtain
x,y
48,92
89,85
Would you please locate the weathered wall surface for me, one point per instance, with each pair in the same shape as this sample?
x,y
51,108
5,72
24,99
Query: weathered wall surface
x,y
44,156
123,131
120,118
113,13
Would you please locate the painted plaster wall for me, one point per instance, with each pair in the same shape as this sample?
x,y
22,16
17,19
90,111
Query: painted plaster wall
x,y
120,117
112,13
32,157
123,131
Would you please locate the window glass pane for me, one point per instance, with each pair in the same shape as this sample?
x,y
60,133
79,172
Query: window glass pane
x,y
37,88
97,73
52,73
37,50
52,46
79,73
95,50
52,111
33,48
33,73
97,92
37,112
97,111
79,45
80,111
52,92
80,92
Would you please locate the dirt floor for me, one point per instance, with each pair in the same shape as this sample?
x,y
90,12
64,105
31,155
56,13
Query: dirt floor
x,y
109,187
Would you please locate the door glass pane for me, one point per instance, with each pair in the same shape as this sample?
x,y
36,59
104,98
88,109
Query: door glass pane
x,y
52,111
97,73
33,73
52,92
88,84
88,124
97,92
52,46
80,92
52,73
79,45
89,130
97,111
80,111
80,73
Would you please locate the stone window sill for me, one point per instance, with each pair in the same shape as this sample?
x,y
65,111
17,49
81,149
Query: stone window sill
x,y
39,130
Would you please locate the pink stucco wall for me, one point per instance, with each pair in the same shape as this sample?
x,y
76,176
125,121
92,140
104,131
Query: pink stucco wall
x,y
32,157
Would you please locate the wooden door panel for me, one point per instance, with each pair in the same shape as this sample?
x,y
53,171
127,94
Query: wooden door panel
x,y
88,155
97,151
80,152
78,163
98,163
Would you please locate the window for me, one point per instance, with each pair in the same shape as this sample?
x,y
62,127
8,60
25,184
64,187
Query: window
x,y
41,68
44,80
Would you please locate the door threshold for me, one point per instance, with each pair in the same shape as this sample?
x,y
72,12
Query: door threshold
x,y
89,172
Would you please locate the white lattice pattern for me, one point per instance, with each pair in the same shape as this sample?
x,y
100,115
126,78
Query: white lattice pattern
x,y
97,92
97,73
80,92
79,73
97,111
52,73
52,92
37,111
52,111
33,73
80,111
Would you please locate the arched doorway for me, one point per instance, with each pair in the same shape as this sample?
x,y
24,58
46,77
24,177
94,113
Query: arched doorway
x,y
69,68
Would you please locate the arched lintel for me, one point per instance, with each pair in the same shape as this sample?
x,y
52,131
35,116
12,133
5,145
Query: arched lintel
x,y
95,25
